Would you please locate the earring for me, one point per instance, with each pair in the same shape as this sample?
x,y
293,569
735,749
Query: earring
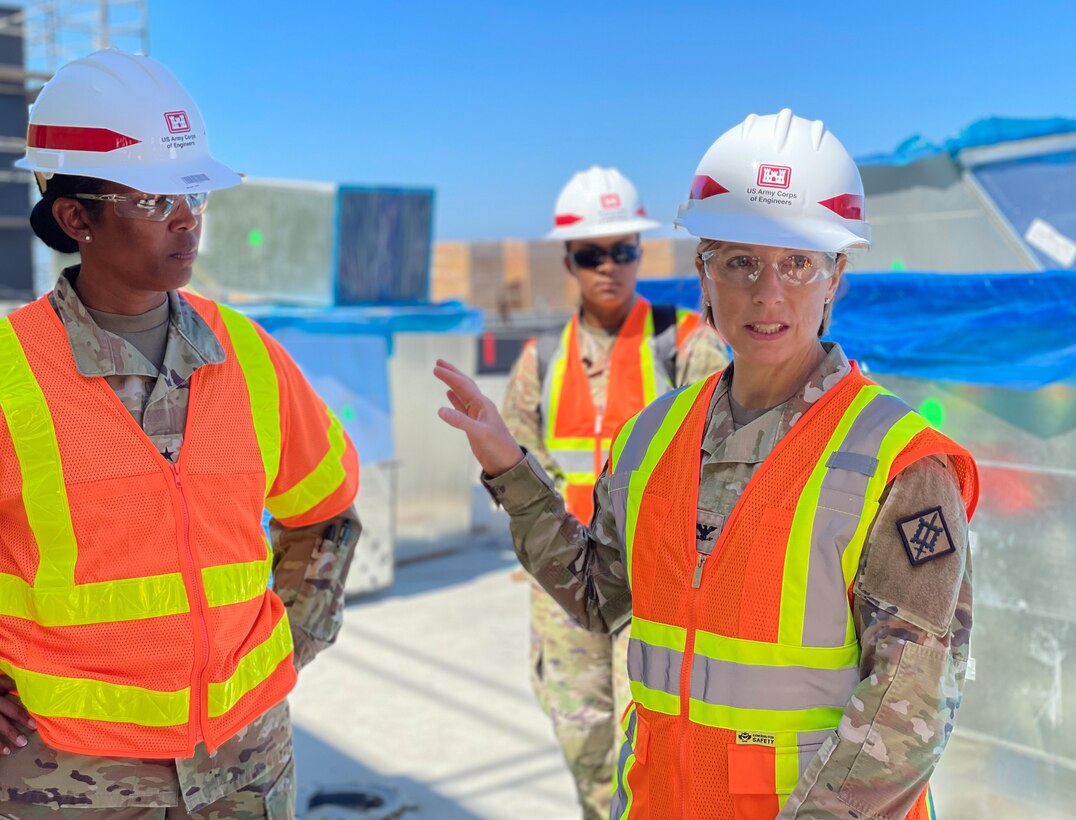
x,y
827,301
87,237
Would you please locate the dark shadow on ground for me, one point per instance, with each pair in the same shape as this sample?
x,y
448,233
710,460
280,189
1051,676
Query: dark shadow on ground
x,y
320,765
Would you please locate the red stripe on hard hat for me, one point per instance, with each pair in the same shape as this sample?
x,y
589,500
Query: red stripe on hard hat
x,y
704,187
848,206
76,138
560,220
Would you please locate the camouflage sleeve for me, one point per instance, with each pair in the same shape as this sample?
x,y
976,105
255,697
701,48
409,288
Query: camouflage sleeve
x,y
912,610
310,566
702,353
581,568
522,411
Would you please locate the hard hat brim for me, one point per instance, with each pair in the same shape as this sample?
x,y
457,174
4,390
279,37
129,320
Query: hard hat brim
x,y
570,232
797,233
200,175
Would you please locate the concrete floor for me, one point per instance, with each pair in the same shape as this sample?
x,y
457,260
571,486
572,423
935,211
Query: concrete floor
x,y
427,691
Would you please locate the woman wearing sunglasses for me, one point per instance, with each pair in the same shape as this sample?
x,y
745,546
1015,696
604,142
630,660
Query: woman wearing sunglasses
x,y
790,540
567,395
144,660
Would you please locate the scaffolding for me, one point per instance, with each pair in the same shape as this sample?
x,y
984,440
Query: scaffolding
x,y
58,31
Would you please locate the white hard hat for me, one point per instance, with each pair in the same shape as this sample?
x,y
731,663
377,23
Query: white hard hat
x,y
598,202
778,180
125,118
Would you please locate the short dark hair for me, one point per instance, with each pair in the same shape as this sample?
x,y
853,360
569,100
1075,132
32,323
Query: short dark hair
x,y
42,221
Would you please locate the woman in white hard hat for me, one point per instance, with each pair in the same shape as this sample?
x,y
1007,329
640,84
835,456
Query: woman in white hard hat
x,y
567,395
144,661
790,539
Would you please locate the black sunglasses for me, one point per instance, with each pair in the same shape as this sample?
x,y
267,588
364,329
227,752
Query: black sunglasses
x,y
621,254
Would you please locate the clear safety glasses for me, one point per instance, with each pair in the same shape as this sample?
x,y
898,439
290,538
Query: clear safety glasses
x,y
732,266
154,207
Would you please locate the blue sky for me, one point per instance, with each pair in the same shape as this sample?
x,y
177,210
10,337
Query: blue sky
x,y
496,104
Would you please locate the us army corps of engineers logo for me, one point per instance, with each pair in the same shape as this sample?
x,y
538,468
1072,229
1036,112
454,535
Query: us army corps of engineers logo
x,y
925,536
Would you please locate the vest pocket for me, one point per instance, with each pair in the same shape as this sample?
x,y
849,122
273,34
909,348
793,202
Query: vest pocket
x,y
762,777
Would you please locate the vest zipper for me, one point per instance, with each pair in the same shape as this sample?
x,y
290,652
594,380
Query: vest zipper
x,y
696,582
198,613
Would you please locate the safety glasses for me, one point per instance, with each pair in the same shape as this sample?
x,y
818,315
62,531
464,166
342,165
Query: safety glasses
x,y
154,207
732,266
621,253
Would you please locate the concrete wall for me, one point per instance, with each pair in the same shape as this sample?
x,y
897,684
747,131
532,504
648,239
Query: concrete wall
x,y
435,467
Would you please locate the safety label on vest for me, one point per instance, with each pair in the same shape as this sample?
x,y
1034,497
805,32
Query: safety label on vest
x,y
755,739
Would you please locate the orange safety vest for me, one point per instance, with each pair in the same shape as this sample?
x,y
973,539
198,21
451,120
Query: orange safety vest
x,y
577,434
135,614
742,661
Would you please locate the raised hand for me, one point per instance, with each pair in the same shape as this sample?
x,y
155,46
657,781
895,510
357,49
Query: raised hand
x,y
12,716
493,446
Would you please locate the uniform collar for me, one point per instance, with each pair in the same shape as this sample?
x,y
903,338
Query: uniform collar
x,y
100,353
753,442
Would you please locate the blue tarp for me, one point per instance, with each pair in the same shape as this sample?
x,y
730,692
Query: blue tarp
x,y
989,131
1034,188
1015,330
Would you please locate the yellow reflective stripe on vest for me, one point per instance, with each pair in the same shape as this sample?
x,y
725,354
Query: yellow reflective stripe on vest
x,y
572,445
674,417
130,599
85,699
620,808
763,720
621,440
255,667
646,361
652,632
262,387
33,436
760,653
235,583
555,375
794,587
319,483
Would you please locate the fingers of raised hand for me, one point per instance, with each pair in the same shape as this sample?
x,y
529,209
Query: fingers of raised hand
x,y
461,384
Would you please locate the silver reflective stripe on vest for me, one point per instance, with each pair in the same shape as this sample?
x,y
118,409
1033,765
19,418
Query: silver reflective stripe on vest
x,y
620,797
854,462
772,688
632,454
839,510
572,462
655,667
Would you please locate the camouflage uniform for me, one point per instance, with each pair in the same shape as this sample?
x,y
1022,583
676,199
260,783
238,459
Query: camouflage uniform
x,y
913,622
580,677
251,775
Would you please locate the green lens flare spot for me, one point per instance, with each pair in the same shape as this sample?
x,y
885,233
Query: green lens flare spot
x,y
347,413
933,411
255,238
897,265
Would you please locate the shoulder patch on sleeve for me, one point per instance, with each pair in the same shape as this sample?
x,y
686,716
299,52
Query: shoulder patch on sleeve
x,y
915,558
925,535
